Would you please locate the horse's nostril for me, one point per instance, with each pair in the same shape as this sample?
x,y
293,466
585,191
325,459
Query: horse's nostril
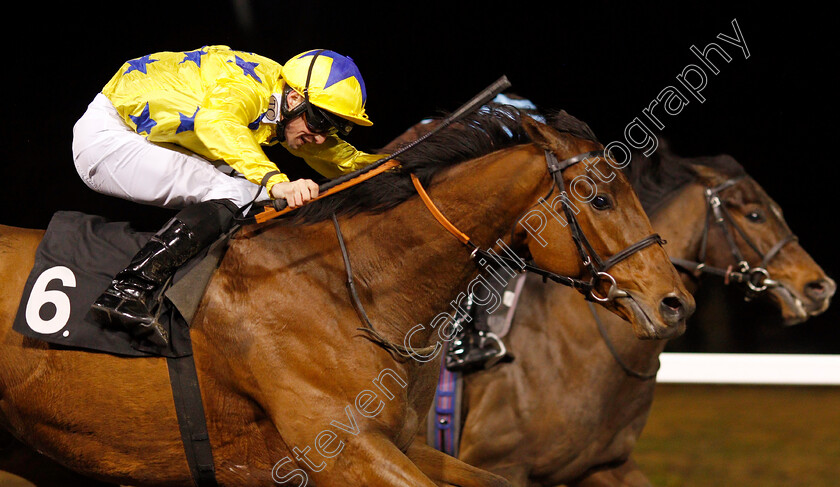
x,y
673,310
816,287
672,302
820,289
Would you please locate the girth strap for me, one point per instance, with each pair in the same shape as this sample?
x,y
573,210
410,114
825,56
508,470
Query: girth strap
x,y
191,421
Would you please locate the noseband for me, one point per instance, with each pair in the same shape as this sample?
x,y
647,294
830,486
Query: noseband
x,y
757,279
590,259
597,266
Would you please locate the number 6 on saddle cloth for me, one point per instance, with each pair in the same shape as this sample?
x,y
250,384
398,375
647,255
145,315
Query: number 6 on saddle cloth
x,y
74,263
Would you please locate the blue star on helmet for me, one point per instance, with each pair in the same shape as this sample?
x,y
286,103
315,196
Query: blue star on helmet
x,y
143,121
341,69
247,68
187,122
140,64
194,56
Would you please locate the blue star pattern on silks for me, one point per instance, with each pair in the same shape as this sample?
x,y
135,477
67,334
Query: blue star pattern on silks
x,y
140,64
247,68
144,122
187,122
194,56
342,68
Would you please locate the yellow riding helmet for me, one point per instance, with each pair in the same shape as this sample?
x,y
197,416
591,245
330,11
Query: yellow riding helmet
x,y
329,81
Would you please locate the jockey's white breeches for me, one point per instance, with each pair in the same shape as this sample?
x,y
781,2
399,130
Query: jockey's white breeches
x,y
113,159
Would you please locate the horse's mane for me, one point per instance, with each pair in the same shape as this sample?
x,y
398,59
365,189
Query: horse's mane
x,y
492,128
659,177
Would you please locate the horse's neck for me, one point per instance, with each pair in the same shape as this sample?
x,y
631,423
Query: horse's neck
x,y
484,197
407,267
681,222
415,254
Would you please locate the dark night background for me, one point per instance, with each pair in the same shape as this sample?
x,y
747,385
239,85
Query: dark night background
x,y
602,62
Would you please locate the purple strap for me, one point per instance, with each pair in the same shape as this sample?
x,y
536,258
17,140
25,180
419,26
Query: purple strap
x,y
446,431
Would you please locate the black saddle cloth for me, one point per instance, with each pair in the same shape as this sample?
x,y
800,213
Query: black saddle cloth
x,y
74,264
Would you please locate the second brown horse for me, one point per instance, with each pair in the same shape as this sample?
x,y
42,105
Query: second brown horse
x,y
577,413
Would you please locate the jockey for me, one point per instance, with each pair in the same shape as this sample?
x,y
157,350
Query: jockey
x,y
184,130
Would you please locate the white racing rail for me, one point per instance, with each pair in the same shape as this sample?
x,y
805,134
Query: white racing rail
x,y
734,368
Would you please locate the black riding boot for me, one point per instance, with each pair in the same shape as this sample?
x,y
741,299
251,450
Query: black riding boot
x,y
132,298
474,346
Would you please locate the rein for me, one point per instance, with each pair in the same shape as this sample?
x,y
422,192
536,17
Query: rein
x,y
360,310
591,260
597,266
757,279
626,368
279,206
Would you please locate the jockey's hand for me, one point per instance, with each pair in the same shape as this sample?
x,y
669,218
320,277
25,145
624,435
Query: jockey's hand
x,y
296,192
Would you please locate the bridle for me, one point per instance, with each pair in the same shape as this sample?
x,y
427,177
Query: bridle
x,y
757,278
590,258
596,266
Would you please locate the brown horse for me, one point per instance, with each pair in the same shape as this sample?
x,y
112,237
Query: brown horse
x,y
293,391
578,409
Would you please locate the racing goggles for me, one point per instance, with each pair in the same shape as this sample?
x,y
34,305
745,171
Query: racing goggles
x,y
320,121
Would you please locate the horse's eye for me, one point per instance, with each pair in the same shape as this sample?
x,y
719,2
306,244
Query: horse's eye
x,y
601,202
755,216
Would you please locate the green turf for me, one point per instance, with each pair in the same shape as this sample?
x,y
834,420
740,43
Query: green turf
x,y
735,436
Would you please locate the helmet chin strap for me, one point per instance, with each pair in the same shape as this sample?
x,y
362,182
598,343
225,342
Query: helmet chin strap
x,y
288,114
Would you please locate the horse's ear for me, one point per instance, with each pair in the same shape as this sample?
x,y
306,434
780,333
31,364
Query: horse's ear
x,y
709,173
544,136
705,174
